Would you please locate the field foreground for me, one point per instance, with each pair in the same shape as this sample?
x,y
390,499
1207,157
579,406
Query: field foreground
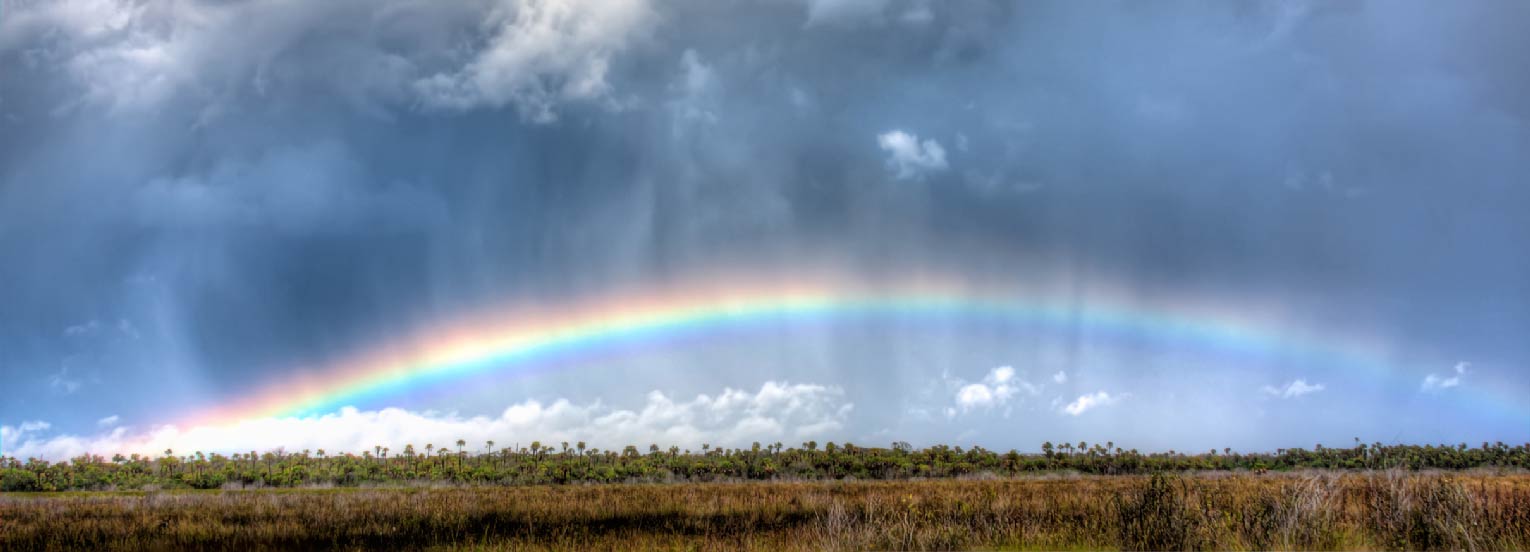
x,y
1312,510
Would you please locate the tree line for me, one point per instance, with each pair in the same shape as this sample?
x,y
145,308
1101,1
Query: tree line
x,y
561,464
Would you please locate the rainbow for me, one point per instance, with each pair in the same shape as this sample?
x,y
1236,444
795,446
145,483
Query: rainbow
x,y
519,338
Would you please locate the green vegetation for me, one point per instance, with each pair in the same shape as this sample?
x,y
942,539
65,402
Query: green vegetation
x,y
537,464
1318,510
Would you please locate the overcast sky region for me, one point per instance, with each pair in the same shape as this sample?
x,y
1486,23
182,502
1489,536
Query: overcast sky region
x,y
202,199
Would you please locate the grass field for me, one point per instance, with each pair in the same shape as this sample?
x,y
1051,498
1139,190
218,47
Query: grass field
x,y
1305,510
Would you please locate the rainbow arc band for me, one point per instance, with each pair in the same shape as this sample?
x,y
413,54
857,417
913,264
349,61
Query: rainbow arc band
x,y
523,339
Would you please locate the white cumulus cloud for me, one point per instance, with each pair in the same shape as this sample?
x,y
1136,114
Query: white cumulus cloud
x,y
996,389
1294,389
735,418
1434,383
910,158
109,421
1085,403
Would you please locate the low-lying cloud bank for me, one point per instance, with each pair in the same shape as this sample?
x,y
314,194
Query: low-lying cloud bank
x,y
779,411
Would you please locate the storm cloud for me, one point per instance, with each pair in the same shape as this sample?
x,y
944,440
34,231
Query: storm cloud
x,y
198,198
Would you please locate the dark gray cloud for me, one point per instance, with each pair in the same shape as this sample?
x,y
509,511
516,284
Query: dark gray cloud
x,y
258,187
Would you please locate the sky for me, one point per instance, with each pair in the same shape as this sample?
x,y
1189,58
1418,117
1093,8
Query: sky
x,y
1254,225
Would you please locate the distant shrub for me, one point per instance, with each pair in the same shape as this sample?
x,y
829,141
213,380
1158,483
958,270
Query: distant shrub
x,y
523,466
205,480
19,481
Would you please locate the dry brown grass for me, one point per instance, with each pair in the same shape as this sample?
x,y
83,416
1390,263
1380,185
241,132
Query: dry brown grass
x,y
1315,510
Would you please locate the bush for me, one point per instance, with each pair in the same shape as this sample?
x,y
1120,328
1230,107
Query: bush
x,y
1411,514
19,481
205,481
1155,518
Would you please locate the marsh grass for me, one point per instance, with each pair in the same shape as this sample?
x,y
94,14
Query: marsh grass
x,y
1311,510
